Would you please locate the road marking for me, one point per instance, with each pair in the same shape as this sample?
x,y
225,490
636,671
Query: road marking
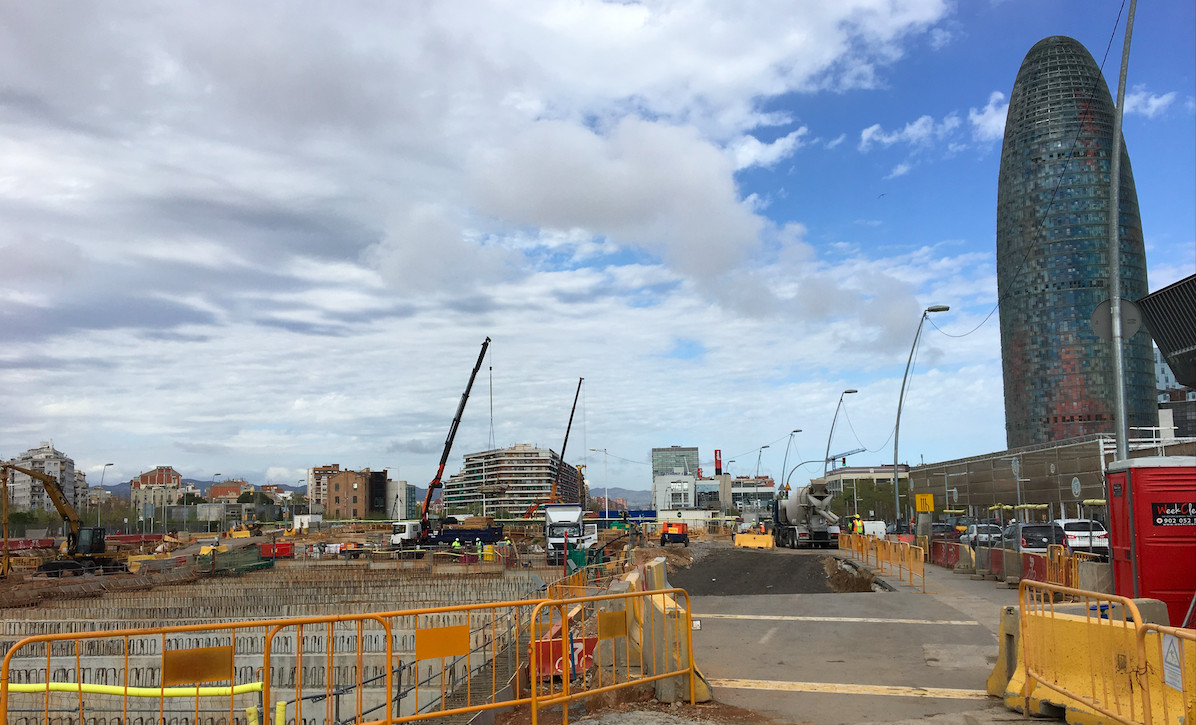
x,y
835,688
865,620
768,635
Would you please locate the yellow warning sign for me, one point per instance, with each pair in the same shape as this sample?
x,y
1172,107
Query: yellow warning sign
x,y
924,502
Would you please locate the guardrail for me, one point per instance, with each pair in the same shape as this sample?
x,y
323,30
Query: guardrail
x,y
1098,656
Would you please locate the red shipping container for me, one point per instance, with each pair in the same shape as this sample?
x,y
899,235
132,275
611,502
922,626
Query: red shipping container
x,y
1152,530
279,550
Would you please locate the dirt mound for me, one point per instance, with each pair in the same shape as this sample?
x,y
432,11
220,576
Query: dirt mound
x,y
845,576
676,557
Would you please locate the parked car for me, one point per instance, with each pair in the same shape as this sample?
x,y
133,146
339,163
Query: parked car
x,y
1085,535
900,527
1031,538
981,535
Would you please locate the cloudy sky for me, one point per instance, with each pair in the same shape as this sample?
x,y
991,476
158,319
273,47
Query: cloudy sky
x,y
250,238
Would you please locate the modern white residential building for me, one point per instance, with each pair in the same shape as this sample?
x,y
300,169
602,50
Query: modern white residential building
x,y
510,481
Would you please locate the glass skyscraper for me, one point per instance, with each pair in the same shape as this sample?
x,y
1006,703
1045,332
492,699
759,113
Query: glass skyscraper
x,y
668,461
1052,253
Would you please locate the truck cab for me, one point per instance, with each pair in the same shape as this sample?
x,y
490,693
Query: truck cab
x,y
563,526
404,533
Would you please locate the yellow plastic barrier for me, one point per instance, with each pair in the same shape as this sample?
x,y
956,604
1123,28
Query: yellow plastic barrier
x,y
1097,660
754,541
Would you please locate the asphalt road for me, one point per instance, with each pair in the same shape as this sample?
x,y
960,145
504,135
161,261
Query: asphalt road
x,y
722,572
773,639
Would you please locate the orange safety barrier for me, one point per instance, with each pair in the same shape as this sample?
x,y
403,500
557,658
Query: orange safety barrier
x,y
386,667
888,556
916,565
583,650
1098,656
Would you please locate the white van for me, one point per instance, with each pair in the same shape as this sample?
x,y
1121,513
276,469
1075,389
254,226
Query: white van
x,y
874,528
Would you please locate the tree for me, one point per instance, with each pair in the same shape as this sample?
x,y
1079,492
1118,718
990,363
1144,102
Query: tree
x,y
190,499
254,497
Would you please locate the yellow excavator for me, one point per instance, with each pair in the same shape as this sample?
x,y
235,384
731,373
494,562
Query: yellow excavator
x,y
85,546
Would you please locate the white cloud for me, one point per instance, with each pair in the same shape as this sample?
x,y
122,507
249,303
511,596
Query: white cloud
x,y
1144,103
295,265
749,151
916,133
899,170
836,141
940,38
988,123
653,185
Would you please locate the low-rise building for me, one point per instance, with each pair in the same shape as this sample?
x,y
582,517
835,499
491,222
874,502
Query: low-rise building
x,y
674,491
366,494
154,490
317,483
228,491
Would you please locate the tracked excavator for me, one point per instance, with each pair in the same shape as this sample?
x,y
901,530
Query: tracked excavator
x,y
85,547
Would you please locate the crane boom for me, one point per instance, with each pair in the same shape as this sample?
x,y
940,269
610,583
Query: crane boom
x,y
557,478
448,443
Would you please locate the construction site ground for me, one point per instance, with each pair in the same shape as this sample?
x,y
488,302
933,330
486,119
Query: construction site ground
x,y
813,637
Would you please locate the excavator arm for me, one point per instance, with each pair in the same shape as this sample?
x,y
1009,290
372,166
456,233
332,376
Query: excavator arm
x,y
54,491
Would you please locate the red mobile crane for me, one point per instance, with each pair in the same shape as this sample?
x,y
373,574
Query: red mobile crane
x,y
424,532
557,478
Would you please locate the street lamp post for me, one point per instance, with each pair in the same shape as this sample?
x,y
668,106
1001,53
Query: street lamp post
x,y
947,491
214,475
901,399
102,472
826,459
758,452
785,460
606,485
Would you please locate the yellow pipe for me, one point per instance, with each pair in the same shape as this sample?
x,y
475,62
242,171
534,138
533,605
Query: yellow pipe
x,y
94,689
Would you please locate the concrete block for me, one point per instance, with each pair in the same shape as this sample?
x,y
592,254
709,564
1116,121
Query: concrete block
x,y
1096,576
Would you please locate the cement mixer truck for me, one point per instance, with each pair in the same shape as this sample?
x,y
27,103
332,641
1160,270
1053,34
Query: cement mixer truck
x,y
805,518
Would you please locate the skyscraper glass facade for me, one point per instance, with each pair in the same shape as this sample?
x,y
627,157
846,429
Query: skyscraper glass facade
x,y
1052,253
667,461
